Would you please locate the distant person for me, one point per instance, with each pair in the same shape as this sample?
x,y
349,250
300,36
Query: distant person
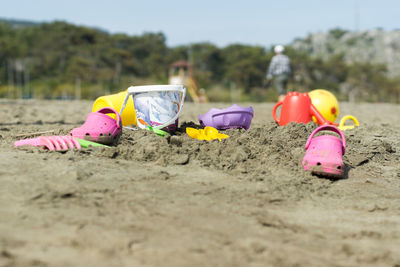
x,y
279,70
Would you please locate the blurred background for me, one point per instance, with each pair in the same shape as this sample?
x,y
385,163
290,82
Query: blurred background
x,y
219,49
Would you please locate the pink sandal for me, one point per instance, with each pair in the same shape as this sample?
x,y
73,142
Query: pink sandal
x,y
100,127
324,153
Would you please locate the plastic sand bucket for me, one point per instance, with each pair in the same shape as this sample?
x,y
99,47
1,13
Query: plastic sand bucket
x,y
115,101
156,106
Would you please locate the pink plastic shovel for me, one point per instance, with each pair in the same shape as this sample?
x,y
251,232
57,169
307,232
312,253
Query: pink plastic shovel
x,y
324,153
59,143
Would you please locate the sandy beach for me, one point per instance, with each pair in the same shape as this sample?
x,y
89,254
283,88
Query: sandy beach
x,y
175,201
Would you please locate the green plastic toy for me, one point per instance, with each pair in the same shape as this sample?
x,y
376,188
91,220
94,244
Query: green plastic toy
x,y
86,143
157,131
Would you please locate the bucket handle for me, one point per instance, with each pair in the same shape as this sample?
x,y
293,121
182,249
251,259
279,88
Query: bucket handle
x,y
331,128
274,112
124,104
183,91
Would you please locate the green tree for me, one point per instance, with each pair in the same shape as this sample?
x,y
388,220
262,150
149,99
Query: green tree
x,y
245,65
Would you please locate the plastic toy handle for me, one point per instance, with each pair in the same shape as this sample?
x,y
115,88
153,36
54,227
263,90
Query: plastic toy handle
x,y
348,117
183,91
38,141
30,141
124,103
107,110
318,116
274,111
331,128
157,131
86,143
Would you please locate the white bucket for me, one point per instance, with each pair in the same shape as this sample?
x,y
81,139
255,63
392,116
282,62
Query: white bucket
x,y
156,106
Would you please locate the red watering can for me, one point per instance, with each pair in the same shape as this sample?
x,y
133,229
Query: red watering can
x,y
297,107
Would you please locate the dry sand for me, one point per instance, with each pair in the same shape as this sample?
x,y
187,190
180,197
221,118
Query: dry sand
x,y
153,201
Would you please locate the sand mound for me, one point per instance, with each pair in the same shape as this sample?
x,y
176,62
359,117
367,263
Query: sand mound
x,y
175,201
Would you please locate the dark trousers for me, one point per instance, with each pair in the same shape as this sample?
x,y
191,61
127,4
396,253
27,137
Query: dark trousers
x,y
280,82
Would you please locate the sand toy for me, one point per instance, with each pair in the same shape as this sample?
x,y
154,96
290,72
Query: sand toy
x,y
326,103
208,133
297,107
86,143
157,107
229,118
157,131
100,128
348,127
324,153
58,143
115,101
52,143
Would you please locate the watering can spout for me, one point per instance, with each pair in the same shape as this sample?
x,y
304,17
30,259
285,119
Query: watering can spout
x,y
318,116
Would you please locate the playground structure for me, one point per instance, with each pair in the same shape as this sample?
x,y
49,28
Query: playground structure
x,y
181,72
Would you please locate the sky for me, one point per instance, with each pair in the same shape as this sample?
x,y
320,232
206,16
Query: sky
x,y
223,22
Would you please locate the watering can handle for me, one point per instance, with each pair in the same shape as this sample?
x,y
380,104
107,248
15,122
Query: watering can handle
x,y
274,111
331,128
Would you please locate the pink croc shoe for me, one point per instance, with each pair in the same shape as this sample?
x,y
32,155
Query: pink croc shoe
x,y
100,128
324,153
